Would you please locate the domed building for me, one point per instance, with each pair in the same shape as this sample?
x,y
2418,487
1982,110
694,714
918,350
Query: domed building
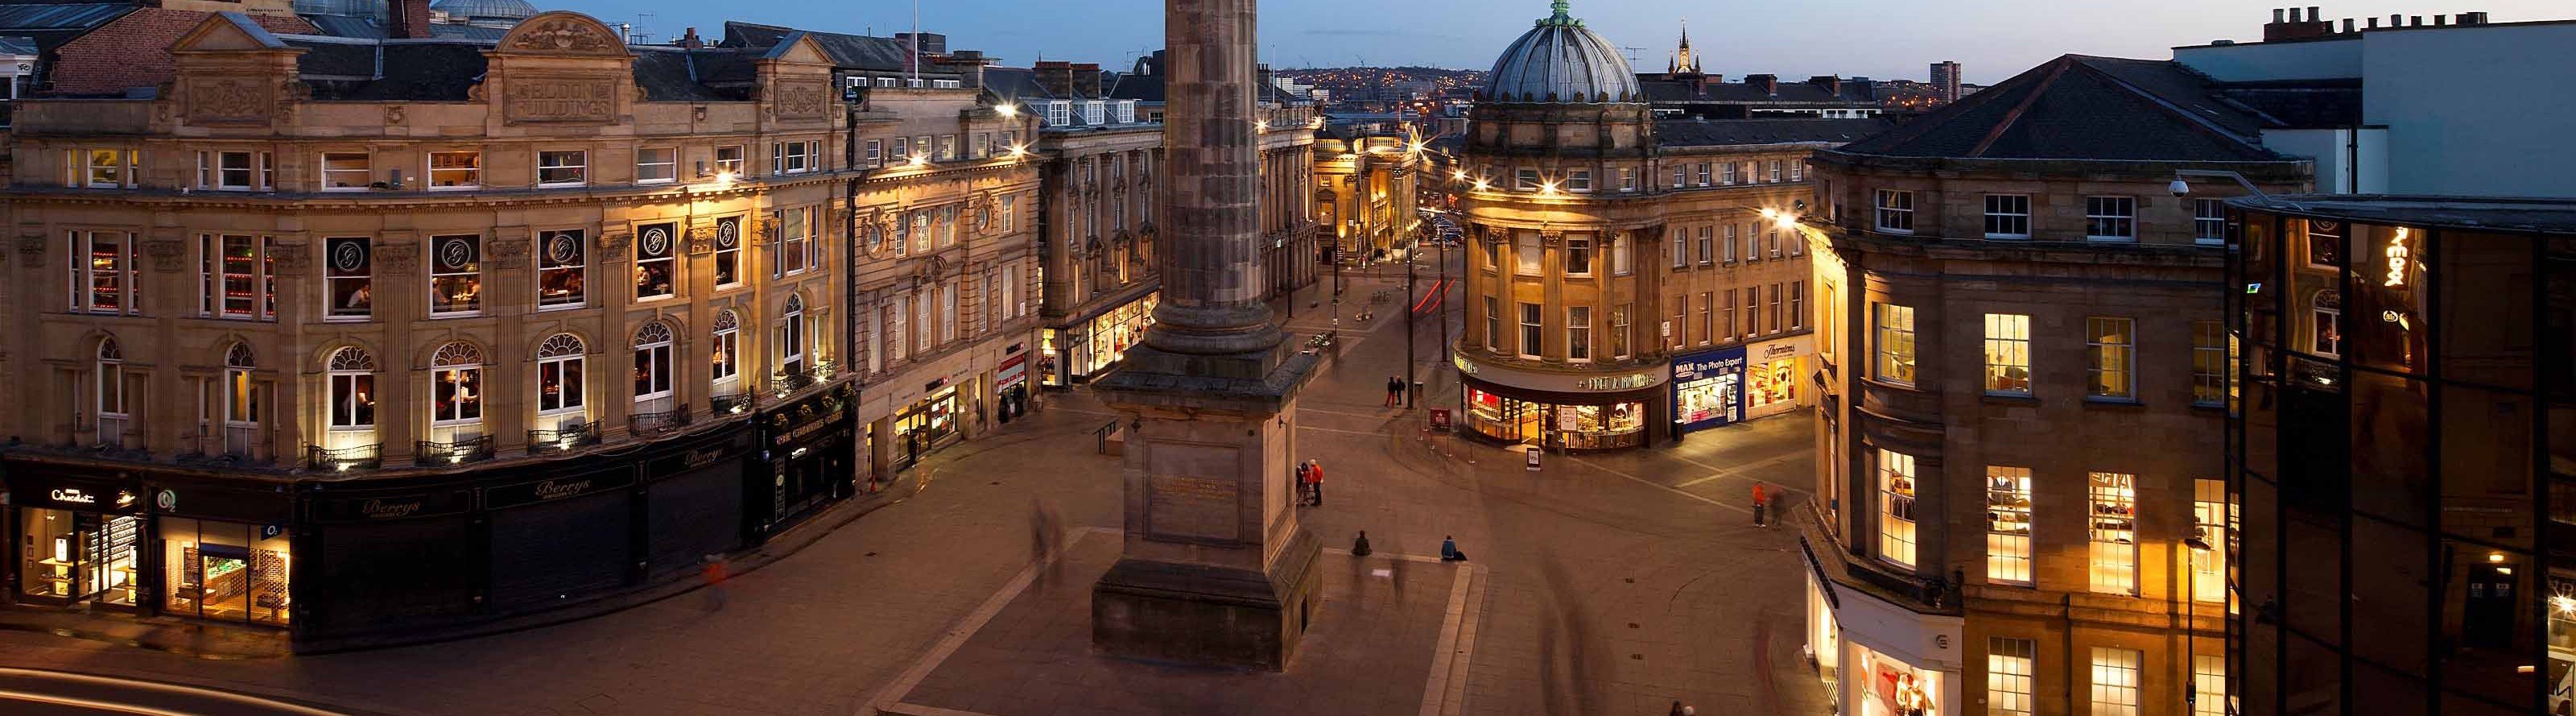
x,y
487,13
1596,259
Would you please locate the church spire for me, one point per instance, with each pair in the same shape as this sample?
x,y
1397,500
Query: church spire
x,y
1683,62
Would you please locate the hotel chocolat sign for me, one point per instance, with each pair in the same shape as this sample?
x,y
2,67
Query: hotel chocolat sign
x,y
391,507
562,100
556,489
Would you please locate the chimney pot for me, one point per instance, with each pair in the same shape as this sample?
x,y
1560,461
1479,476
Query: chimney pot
x,y
2315,15
2374,23
2347,25
2276,15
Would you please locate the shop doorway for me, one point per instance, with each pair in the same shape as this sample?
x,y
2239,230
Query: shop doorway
x,y
925,427
225,571
72,557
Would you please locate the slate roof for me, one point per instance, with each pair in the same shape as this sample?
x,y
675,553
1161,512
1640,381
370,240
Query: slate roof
x,y
18,46
1725,132
414,70
858,52
369,28
1661,91
50,25
2085,108
707,75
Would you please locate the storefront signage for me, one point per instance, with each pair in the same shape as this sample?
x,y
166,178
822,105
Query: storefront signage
x,y
391,507
550,490
1557,381
1440,419
1708,388
1777,350
167,500
1463,365
71,496
1609,383
2398,256
1014,370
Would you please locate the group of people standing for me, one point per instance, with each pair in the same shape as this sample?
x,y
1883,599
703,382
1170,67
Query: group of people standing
x,y
1310,483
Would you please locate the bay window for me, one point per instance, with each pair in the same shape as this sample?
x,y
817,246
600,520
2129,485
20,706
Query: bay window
x,y
1896,533
1895,343
1895,211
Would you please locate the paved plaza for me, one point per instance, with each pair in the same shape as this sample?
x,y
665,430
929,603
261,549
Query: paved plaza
x,y
1610,584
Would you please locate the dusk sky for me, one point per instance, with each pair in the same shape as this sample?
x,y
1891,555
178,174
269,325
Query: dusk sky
x,y
1871,38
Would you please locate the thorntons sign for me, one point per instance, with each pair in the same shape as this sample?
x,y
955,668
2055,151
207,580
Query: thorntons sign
x,y
562,100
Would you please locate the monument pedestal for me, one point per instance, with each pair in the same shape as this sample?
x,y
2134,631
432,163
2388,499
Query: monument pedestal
x,y
1215,568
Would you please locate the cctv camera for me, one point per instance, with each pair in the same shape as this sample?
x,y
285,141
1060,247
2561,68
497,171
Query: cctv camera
x,y
2180,188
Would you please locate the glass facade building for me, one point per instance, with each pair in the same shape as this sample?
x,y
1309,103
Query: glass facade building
x,y
2402,455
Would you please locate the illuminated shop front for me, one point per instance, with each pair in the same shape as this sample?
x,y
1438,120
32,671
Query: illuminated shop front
x,y
1708,388
1883,657
1083,350
927,425
1773,376
1590,412
80,541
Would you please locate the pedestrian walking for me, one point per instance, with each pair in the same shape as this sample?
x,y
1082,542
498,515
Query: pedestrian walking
x,y
1394,391
1761,506
715,574
1449,550
1315,483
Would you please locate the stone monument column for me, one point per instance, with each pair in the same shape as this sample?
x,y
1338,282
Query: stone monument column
x,y
1215,568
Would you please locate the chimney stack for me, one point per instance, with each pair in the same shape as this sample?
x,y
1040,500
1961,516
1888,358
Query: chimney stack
x,y
408,19
2276,15
1086,79
2301,24
690,40
1770,84
1056,77
2347,26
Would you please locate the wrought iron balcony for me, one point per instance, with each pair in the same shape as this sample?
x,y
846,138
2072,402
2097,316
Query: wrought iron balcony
x,y
362,457
791,382
546,441
432,453
657,423
735,404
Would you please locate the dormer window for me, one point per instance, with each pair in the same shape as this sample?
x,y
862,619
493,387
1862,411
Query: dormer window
x,y
1126,111
1059,113
1094,112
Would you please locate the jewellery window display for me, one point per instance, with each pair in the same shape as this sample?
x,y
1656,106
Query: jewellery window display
x,y
1593,427
224,571
1503,418
70,555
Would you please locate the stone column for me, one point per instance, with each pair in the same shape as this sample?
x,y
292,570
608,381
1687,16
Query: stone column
x,y
1215,568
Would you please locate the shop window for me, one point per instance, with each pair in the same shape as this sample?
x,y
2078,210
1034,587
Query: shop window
x,y
564,168
237,277
2209,685
657,165
791,337
2115,681
114,408
656,272
456,391
560,388
1578,333
561,268
728,255
2210,541
2208,363
726,353
1493,324
1896,507
2007,354
2007,216
2008,525
240,402
729,159
455,276
1895,211
106,273
2111,343
224,571
453,171
352,377
71,556
2010,667
2114,532
2111,218
102,168
346,171
1896,343
1532,335
351,275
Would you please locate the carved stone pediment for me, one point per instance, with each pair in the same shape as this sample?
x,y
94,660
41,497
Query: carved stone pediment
x,y
563,33
802,100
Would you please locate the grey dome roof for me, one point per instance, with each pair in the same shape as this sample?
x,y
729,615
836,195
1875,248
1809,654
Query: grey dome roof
x,y
486,9
1561,61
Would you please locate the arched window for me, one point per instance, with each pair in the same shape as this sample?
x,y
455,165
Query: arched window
x,y
559,384
791,337
727,353
652,366
352,375
456,385
112,408
240,401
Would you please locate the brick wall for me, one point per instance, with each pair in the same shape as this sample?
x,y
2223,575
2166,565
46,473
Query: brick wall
x,y
134,51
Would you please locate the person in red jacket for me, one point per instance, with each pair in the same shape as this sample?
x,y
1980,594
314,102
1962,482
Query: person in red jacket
x,y
1314,483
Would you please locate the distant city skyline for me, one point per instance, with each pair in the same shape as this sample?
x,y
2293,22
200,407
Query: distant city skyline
x,y
1992,40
